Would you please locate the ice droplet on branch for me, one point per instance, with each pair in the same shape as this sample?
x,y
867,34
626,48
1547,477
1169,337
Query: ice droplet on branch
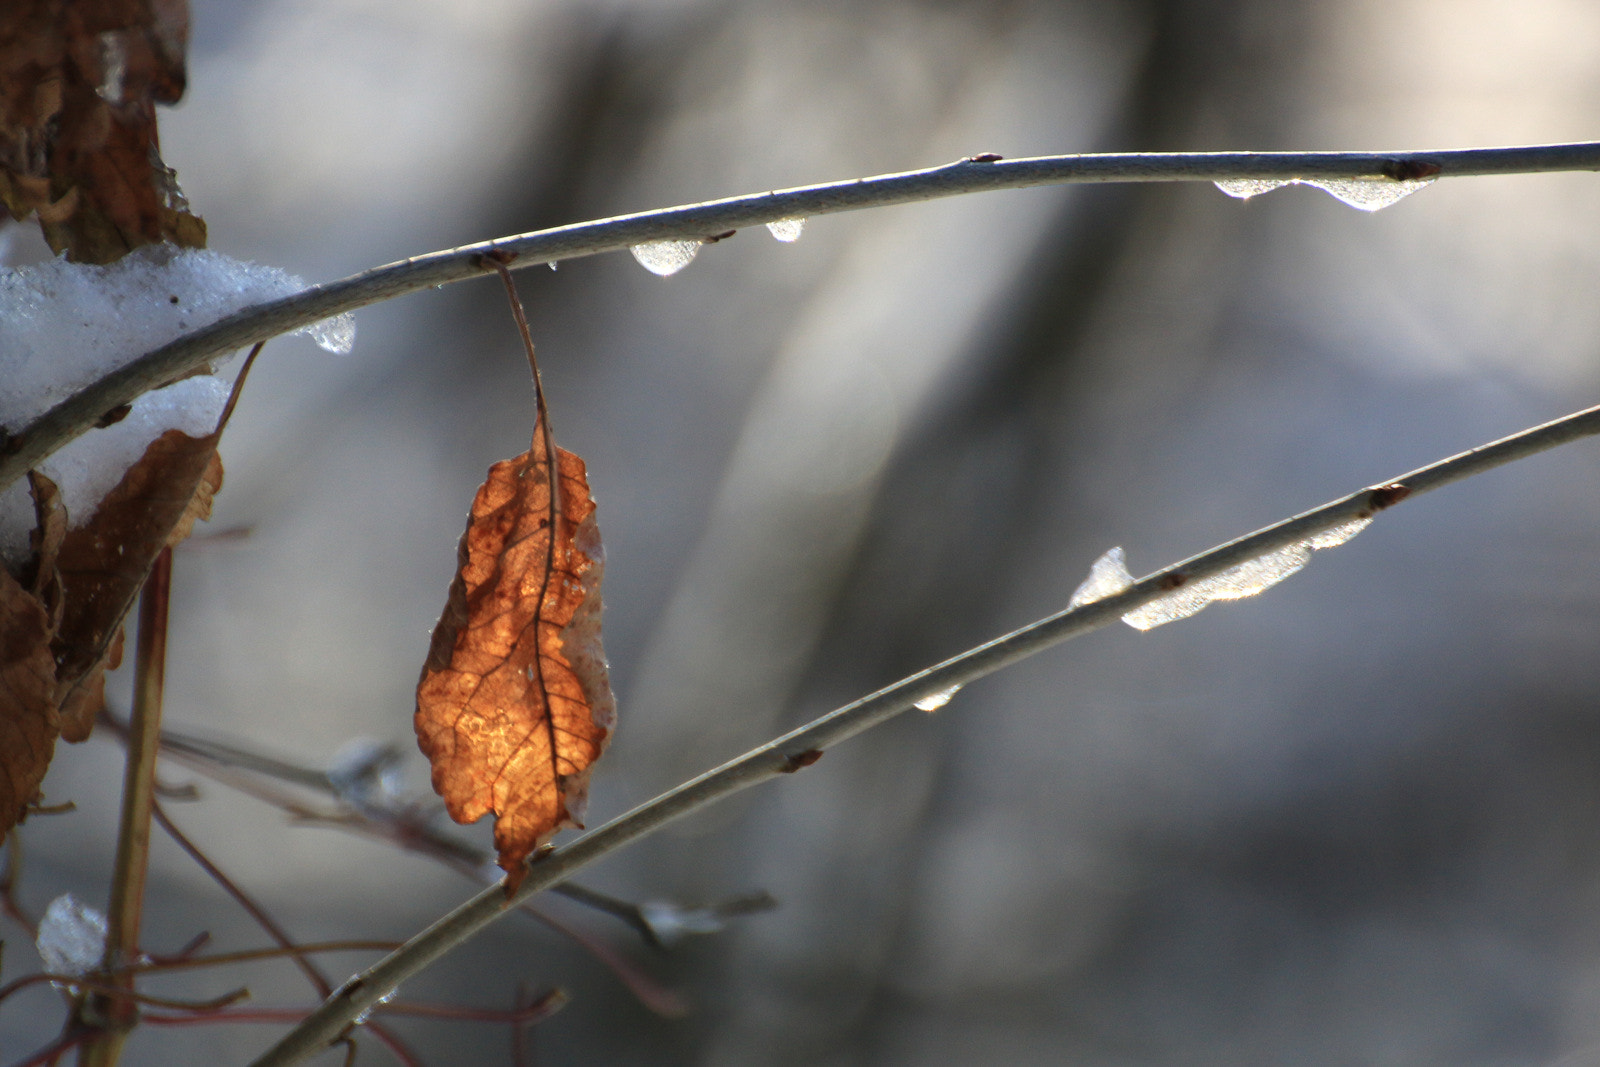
x,y
1245,188
1365,194
336,335
787,230
1109,576
666,257
113,66
938,700
72,937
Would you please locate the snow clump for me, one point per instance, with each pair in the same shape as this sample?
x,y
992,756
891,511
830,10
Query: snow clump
x,y
65,325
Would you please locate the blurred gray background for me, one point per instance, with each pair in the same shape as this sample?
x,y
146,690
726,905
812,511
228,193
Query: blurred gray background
x,y
1354,821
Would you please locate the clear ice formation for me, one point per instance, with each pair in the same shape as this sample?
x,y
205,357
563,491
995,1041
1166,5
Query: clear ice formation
x,y
666,257
1109,576
72,937
1366,194
113,65
787,230
940,699
671,923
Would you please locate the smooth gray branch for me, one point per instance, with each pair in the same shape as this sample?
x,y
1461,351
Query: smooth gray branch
x,y
802,747
262,322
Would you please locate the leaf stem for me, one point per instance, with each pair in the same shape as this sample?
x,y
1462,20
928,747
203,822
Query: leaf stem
x,y
76,414
803,746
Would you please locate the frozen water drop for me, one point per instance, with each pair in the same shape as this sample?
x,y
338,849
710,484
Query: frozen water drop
x,y
1366,194
671,923
336,335
787,230
113,66
938,700
1247,579
1245,188
72,937
1108,576
1339,534
1176,605
666,257
1369,194
553,265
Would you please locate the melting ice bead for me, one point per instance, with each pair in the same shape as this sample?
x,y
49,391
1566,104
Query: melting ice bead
x,y
671,923
1339,534
113,66
666,257
1366,194
938,700
336,335
72,937
1369,194
786,230
1108,576
1245,188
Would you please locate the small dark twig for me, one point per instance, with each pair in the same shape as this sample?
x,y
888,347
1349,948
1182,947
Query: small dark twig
x,y
318,980
184,955
9,886
70,1039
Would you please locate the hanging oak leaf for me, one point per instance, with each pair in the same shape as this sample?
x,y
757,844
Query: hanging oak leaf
x,y
514,704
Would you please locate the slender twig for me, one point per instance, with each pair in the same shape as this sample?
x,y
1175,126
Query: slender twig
x,y
191,963
261,322
115,1009
10,883
183,955
53,1052
111,985
279,936
401,825
264,919
800,748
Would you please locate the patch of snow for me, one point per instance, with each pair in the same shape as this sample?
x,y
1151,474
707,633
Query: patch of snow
x,y
65,325
72,937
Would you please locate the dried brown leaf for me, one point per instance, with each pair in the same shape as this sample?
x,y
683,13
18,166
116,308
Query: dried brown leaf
x,y
82,704
199,506
50,529
514,704
104,562
28,721
79,84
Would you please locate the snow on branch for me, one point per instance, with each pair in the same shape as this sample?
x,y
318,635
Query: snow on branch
x,y
64,327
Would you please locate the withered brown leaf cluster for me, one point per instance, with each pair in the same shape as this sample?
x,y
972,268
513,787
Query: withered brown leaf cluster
x,y
514,704
79,84
61,612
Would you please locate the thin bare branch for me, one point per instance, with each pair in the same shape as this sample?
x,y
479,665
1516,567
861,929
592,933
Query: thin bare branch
x,y
974,174
313,973
801,748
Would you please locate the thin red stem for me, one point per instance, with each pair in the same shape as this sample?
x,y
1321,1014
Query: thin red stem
x,y
318,980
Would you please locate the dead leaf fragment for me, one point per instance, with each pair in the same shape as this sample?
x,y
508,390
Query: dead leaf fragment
x,y
514,704
79,84
104,562
28,720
